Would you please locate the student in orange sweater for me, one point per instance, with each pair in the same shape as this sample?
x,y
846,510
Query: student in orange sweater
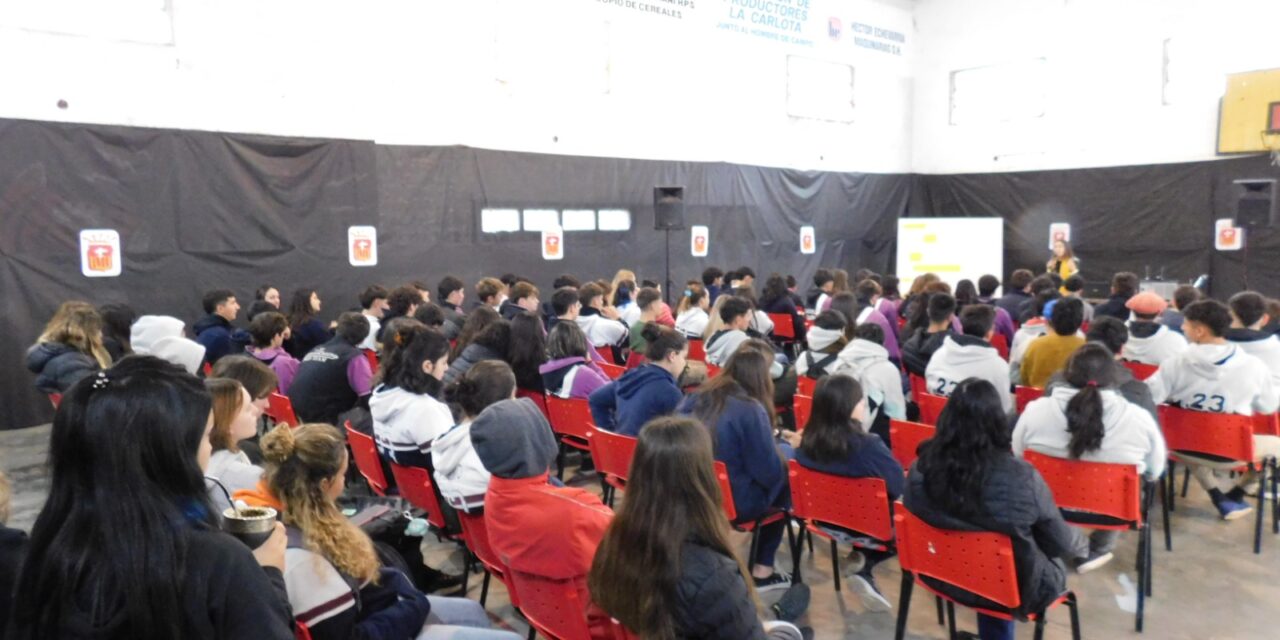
x,y
1048,353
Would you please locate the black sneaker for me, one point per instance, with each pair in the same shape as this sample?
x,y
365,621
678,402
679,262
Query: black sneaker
x,y
793,603
779,580
446,585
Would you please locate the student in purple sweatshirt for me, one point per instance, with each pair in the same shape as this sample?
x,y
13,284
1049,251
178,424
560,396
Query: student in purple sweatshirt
x,y
569,371
269,330
647,391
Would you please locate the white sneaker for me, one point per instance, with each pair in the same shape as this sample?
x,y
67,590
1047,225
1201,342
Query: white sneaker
x,y
871,597
1093,562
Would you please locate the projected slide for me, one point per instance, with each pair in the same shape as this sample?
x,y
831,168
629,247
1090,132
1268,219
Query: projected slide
x,y
953,248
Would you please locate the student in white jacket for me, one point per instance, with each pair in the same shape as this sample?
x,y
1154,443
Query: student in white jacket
x,y
1150,342
600,324
407,418
970,355
691,313
1217,376
866,359
1087,419
1248,316
459,474
826,339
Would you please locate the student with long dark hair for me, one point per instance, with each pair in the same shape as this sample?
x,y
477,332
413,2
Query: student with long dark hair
x,y
476,322
967,478
407,414
1088,419
117,322
776,298
492,343
737,407
528,350
836,442
460,476
647,391
681,579
306,331
570,371
127,545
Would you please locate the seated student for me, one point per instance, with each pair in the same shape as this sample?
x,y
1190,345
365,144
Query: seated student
x,y
826,340
867,361
599,323
527,351
254,375
1218,376
665,317
451,293
1017,291
890,298
492,343
373,306
477,321
1032,328
699,588
431,315
407,416
1112,334
535,527
987,286
760,325
491,293
69,348
117,321
1150,342
713,281
970,355
1049,352
334,376
649,303
13,545
524,297
1043,283
146,330
460,476
337,585
736,313
269,330
402,302
1248,316
835,441
570,371
647,391
1183,296
213,331
823,285
867,295
1073,287
1088,419
624,301
1124,285
967,478
127,544
235,418
306,331
776,299
737,407
744,277
564,306
691,313
920,347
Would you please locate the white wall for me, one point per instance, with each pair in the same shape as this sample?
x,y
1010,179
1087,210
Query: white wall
x,y
1104,58
557,76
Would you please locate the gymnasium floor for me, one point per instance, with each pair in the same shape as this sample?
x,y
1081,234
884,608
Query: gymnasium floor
x,y
1210,587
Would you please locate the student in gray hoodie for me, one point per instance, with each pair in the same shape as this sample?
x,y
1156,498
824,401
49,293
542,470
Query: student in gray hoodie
x,y
970,355
866,359
736,314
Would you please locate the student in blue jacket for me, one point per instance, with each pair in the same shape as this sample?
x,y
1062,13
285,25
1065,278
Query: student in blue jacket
x,y
835,442
737,407
646,392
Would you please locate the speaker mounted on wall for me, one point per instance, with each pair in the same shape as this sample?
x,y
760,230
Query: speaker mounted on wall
x,y
668,208
1256,203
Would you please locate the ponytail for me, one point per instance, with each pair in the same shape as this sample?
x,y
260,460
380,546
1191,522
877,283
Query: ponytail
x,y
1090,369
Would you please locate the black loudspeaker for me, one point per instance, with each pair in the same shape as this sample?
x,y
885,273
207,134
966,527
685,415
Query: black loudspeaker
x,y
1256,206
668,208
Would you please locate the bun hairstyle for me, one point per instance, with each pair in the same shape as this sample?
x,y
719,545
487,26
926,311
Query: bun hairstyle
x,y
297,461
1090,369
661,341
485,383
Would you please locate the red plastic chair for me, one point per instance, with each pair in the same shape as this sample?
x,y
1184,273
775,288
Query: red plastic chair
x,y
712,370
930,408
280,409
905,438
538,398
1141,371
782,327
979,562
301,632
365,454
1199,437
753,526
857,504
372,357
607,354
417,488
805,385
697,351
802,406
55,399
634,360
613,371
1113,491
207,370
555,608
571,422
1024,395
1001,344
612,454
918,386
475,533
1266,424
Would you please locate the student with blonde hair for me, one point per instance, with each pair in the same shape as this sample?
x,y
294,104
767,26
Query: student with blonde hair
x,y
69,349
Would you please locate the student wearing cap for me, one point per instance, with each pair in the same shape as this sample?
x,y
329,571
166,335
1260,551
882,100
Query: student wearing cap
x,y
1048,353
1150,342
1248,316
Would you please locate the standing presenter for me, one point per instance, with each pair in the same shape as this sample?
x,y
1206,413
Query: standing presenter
x,y
1063,262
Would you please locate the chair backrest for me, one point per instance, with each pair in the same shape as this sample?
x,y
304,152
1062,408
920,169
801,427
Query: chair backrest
x,y
697,351
417,488
557,608
372,357
300,631
538,398
712,370
1266,424
365,454
612,453
782,326
918,386
634,359
1001,344
606,353
1024,395
905,438
726,491
930,407
801,406
805,385
1227,435
1107,489
570,417
613,371
280,409
860,504
979,562
1141,371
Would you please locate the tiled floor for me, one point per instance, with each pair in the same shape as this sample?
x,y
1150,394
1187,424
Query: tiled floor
x,y
1211,586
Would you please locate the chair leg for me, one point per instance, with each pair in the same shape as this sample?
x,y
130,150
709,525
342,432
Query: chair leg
x,y
796,578
1275,498
755,544
484,588
1186,479
937,601
809,534
1074,606
1167,480
533,633
1262,501
1166,505
1147,567
951,620
904,605
1039,635
1143,577
559,464
835,564
466,571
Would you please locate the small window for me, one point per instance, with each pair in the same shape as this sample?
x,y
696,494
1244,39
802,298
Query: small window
x,y
541,219
578,219
999,93
819,89
614,220
499,220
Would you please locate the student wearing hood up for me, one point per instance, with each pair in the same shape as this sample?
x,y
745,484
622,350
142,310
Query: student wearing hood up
x,y
826,340
1150,342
